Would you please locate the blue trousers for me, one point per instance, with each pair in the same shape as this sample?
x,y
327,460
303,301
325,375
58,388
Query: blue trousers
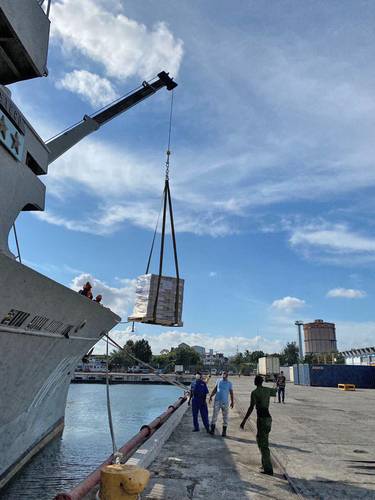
x,y
199,406
281,393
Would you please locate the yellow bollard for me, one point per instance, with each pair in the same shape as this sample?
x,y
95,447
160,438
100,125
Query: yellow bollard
x,y
122,482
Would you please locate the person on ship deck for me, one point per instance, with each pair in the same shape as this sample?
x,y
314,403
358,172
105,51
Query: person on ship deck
x,y
86,291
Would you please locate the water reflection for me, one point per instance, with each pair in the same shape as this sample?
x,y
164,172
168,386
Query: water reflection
x,y
86,442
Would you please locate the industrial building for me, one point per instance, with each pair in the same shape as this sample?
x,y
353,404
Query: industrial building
x,y
200,350
320,337
363,356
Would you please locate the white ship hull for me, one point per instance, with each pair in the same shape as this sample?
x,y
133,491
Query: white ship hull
x,y
45,328
36,360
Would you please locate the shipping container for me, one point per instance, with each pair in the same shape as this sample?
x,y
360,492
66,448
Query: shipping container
x,y
286,371
301,374
362,377
269,367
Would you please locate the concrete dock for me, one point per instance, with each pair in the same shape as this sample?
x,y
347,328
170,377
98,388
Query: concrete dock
x,y
323,445
196,465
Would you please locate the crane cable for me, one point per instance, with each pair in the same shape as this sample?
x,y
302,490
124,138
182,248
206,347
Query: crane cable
x,y
169,138
167,204
134,358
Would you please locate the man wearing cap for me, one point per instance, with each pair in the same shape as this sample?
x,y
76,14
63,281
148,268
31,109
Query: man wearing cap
x,y
260,399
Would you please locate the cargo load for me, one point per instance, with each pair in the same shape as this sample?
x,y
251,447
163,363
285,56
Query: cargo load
x,y
168,300
159,298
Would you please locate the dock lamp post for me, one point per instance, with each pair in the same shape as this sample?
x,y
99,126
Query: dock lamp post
x,y
300,351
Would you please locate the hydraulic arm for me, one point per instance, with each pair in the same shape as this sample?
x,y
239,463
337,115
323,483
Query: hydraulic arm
x,y
63,142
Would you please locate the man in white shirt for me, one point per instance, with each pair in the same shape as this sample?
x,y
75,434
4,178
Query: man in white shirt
x,y
222,390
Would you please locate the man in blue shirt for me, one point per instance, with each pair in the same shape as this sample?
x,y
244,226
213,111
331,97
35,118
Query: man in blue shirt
x,y
198,393
221,392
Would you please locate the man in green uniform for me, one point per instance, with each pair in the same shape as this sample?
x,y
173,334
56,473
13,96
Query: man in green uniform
x,y
260,398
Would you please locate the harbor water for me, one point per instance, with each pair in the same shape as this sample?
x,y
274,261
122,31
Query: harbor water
x,y
86,442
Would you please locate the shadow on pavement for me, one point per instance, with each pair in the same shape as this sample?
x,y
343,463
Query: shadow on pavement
x,y
326,490
196,465
281,446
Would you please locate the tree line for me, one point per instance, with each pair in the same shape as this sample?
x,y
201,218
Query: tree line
x,y
246,362
242,362
141,349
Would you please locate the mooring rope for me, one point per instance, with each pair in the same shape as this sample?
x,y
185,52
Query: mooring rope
x,y
116,454
134,358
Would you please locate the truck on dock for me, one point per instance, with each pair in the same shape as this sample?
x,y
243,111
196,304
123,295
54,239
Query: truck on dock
x,y
179,369
269,367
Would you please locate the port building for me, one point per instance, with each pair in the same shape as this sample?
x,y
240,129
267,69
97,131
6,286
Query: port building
x,y
362,356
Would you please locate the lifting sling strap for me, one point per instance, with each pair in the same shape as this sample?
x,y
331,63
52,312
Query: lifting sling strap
x,y
166,206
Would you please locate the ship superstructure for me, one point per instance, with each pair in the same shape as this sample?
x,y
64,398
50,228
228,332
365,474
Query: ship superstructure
x,y
45,328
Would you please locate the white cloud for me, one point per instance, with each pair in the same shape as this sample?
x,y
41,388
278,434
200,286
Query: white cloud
x,y
348,293
295,97
72,225
96,90
119,299
105,170
227,345
133,185
331,243
109,218
288,304
337,238
122,46
355,334
212,274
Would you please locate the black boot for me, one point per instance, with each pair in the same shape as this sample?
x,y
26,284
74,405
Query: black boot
x,y
224,433
212,431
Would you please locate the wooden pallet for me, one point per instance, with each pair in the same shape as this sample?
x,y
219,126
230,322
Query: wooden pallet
x,y
150,321
346,387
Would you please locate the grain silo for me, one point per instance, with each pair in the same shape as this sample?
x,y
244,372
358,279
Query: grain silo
x,y
320,337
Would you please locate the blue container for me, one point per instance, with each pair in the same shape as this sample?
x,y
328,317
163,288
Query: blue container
x,y
301,374
362,377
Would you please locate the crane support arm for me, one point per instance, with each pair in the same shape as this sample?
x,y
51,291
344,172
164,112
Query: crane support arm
x,y
66,140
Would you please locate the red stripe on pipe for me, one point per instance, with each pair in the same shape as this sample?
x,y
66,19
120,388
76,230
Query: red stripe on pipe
x,y
129,447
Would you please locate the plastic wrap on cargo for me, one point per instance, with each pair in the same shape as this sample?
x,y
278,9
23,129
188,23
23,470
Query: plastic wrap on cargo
x,y
145,297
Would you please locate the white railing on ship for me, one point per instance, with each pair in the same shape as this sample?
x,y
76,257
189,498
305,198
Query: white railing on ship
x,y
48,3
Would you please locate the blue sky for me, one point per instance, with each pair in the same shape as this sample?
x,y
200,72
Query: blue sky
x,y
272,170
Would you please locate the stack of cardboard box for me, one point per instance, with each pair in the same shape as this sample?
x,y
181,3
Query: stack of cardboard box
x,y
146,291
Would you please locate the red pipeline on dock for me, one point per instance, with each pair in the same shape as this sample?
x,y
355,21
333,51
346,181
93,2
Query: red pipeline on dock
x,y
127,450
